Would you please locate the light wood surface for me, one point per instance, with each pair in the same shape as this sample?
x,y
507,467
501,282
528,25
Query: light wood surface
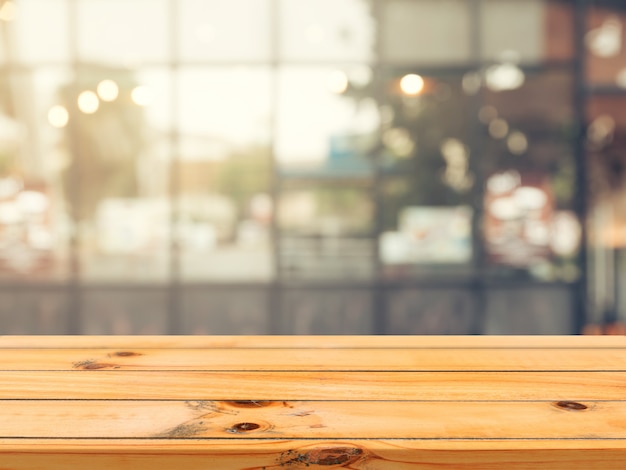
x,y
312,402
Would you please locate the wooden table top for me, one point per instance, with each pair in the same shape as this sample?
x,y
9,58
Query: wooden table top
x,y
296,402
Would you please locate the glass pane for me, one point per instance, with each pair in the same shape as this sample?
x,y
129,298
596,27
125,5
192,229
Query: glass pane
x,y
233,311
321,130
225,171
124,312
29,312
40,32
606,137
123,32
426,131
529,226
327,312
528,311
423,241
326,232
527,31
326,30
118,172
604,41
426,31
218,30
431,312
34,222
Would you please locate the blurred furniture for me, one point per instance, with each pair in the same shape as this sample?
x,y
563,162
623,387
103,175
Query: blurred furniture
x,y
255,402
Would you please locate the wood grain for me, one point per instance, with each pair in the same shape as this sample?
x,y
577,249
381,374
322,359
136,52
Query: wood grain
x,y
312,454
311,419
294,342
114,384
315,359
259,403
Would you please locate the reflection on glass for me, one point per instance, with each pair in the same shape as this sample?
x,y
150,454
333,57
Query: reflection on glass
x,y
225,211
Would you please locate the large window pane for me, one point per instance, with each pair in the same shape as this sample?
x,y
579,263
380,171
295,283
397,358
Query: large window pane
x,y
529,225
321,130
426,31
325,231
426,131
123,32
34,222
219,30
604,42
326,30
425,154
40,31
225,170
606,143
118,173
527,31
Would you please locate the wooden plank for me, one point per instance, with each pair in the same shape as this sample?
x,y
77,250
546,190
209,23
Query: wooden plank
x,y
220,359
251,454
292,342
187,385
311,420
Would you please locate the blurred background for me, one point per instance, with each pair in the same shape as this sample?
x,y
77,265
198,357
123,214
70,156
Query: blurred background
x,y
312,166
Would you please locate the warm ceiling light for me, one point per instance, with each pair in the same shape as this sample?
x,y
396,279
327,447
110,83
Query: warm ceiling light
x,y
58,116
88,102
108,90
412,84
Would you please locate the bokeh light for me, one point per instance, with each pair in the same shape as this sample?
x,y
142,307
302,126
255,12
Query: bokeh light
x,y
58,116
412,84
88,102
517,143
141,96
337,82
108,90
498,128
